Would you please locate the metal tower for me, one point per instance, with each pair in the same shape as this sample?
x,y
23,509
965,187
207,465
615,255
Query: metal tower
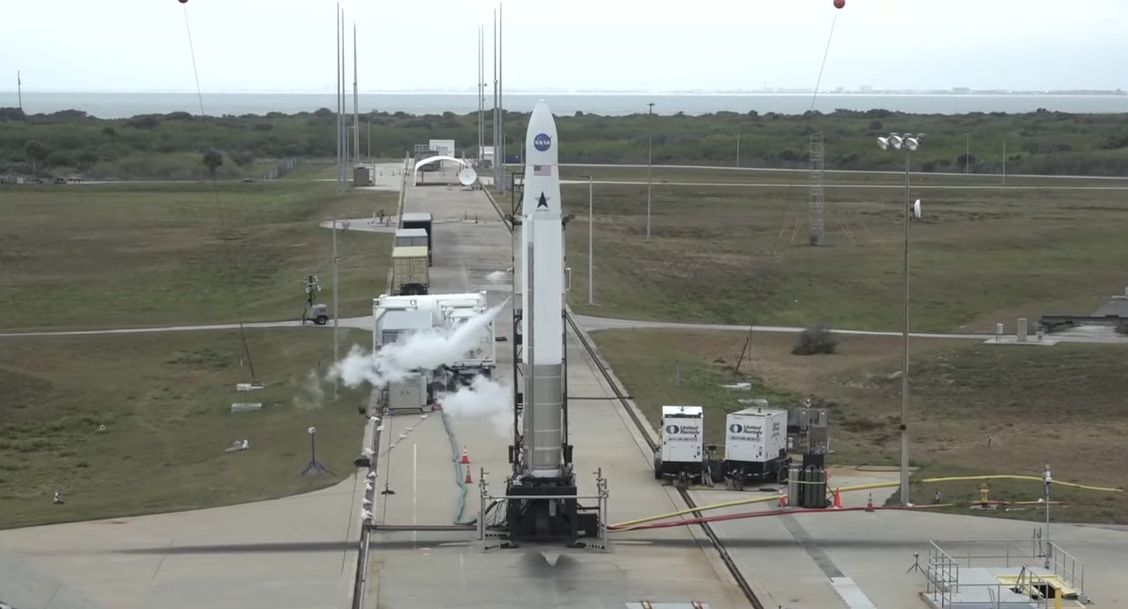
x,y
817,207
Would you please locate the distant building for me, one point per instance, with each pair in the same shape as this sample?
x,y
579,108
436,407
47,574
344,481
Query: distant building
x,y
443,147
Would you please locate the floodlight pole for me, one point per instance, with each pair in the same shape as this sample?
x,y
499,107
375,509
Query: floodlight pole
x,y
738,129
649,160
1048,479
905,351
336,313
591,224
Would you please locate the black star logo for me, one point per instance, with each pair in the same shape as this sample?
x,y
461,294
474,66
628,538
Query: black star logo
x,y
543,202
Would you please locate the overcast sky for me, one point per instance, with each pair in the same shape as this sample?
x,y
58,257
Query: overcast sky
x,y
656,45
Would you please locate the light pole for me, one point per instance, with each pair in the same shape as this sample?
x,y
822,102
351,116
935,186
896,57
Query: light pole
x,y
907,142
649,158
1048,479
738,129
591,224
336,313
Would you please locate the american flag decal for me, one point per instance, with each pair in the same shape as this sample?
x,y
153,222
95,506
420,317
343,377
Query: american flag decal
x,y
542,170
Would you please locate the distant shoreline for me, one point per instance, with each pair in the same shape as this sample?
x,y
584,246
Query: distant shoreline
x,y
113,105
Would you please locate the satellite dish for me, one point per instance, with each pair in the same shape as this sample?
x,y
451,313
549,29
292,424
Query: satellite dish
x,y
916,209
467,176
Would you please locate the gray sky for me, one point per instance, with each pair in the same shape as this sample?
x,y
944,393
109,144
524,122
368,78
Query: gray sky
x,y
287,45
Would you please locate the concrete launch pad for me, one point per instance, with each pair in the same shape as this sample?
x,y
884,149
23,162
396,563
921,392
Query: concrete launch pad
x,y
442,569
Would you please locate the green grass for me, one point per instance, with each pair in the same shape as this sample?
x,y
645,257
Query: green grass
x,y
138,255
732,255
165,401
1060,405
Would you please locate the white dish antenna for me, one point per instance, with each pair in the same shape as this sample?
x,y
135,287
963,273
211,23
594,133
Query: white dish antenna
x,y
467,176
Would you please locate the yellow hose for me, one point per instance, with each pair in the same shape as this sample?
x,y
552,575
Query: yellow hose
x,y
856,487
1102,489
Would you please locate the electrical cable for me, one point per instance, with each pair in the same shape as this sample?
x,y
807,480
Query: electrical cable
x,y
234,269
822,66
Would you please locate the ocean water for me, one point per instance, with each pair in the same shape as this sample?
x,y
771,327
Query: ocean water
x,y
118,105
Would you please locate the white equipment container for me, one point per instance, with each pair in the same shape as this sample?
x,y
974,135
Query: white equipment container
x,y
683,442
755,445
434,311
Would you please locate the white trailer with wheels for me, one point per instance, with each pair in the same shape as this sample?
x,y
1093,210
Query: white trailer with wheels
x,y
682,453
755,446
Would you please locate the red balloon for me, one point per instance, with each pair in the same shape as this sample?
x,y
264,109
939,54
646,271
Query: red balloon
x,y
837,3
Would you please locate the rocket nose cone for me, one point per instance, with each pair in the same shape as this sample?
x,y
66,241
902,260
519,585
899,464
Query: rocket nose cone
x,y
540,139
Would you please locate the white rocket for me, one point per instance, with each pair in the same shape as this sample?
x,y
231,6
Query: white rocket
x,y
542,290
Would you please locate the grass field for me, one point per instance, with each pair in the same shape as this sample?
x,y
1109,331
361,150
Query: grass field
x,y
164,400
1059,405
134,255
733,255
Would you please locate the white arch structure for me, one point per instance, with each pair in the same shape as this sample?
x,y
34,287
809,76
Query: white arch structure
x,y
436,159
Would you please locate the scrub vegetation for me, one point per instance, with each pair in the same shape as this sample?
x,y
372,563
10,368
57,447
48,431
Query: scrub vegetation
x,y
171,145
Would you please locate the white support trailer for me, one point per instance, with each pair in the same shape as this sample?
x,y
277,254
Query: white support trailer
x,y
445,312
755,446
682,453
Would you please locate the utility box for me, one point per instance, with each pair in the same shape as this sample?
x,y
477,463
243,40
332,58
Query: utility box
x,y
410,275
682,453
408,394
362,176
755,446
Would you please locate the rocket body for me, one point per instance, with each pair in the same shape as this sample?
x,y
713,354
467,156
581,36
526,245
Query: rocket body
x,y
542,287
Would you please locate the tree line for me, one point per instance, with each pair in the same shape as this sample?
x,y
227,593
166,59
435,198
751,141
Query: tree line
x,y
173,144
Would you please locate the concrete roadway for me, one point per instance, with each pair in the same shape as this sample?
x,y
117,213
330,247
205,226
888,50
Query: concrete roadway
x,y
448,569
1084,334
294,552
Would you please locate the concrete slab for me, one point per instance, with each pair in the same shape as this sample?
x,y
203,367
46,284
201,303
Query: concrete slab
x,y
291,552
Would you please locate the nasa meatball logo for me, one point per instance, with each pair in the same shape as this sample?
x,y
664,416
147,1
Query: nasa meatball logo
x,y
542,142
671,429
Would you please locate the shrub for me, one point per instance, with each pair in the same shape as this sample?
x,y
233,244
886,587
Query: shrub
x,y
816,339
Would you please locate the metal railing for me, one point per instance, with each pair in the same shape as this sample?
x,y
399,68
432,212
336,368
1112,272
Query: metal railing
x,y
942,572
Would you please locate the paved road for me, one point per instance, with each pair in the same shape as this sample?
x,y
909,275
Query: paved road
x,y
1092,335
361,323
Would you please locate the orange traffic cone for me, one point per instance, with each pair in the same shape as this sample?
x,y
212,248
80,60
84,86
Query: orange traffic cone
x,y
465,457
469,478
783,501
837,499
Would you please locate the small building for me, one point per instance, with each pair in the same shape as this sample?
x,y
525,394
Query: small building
x,y
362,176
443,147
